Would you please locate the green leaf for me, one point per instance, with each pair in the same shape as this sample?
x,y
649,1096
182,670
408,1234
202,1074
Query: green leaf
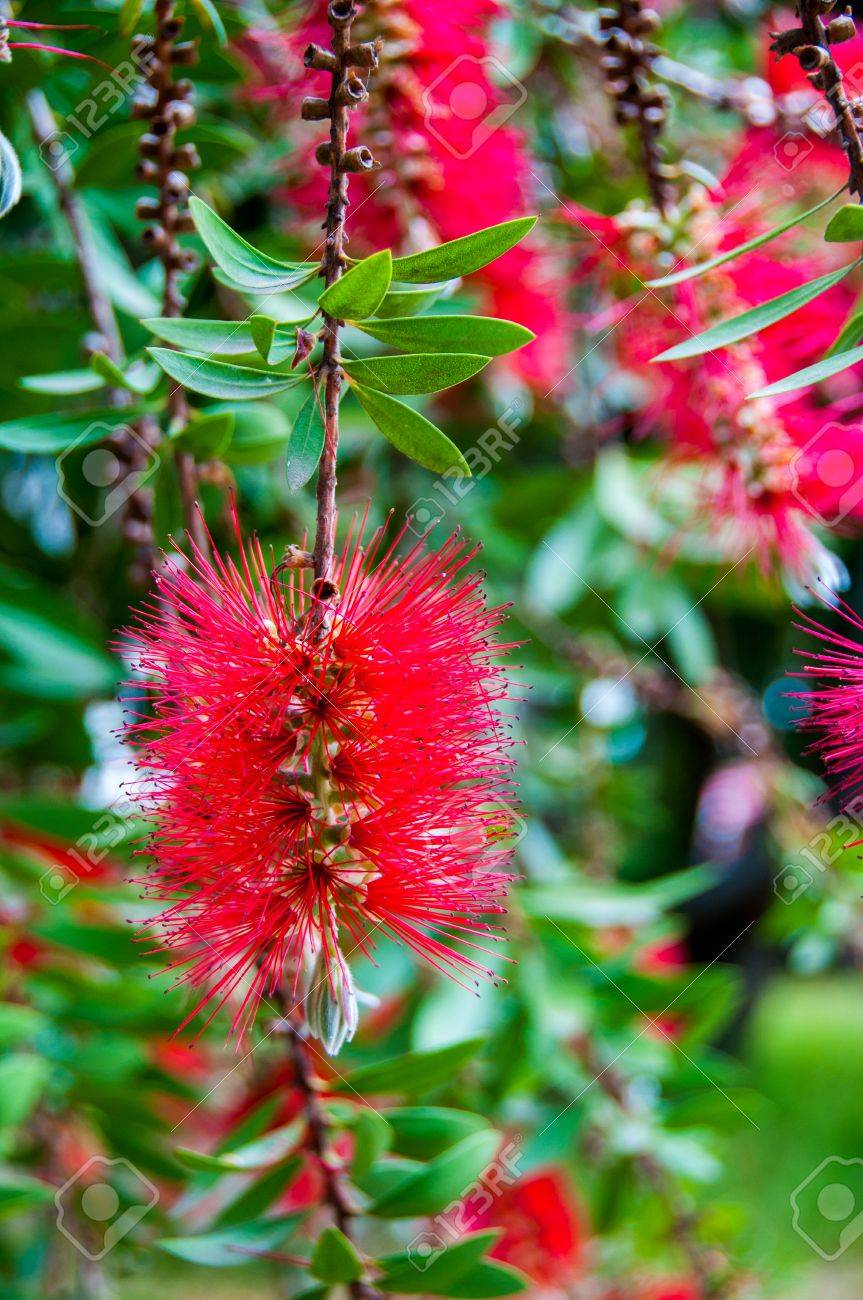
x,y
232,1247
849,336
257,1198
408,302
461,256
488,1278
701,268
45,435
845,225
19,1023
20,1192
227,338
219,378
813,374
129,15
63,383
335,1259
263,331
207,437
372,1137
411,1074
360,292
141,377
421,372
410,1273
306,443
421,1132
476,334
444,1179
10,176
412,433
271,1149
757,318
261,432
211,18
246,265
23,1077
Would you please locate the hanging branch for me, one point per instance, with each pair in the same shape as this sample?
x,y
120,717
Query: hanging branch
x,y
130,450
167,107
627,62
347,91
336,1194
810,44
709,1267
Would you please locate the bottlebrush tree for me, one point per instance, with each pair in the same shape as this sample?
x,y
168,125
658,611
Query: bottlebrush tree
x,y
342,954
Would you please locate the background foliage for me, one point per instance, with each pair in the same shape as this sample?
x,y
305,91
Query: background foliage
x,y
676,1048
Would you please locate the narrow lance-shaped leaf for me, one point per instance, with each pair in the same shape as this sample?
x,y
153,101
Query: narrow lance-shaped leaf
x,y
477,334
360,292
246,265
414,1072
219,379
306,443
225,338
417,373
409,302
850,334
702,268
832,365
63,383
756,319
462,256
434,1185
412,433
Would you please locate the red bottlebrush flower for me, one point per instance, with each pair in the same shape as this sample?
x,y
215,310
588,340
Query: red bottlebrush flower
x,y
543,1229
833,709
672,1288
452,160
763,477
314,785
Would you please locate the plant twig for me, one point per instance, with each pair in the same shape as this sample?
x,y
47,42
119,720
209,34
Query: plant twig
x,y
129,447
336,1193
346,92
810,44
627,61
167,107
709,1268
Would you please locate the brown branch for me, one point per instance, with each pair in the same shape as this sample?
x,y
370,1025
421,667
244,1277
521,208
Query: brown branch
x,y
709,1267
810,44
627,61
130,447
167,107
336,1194
346,92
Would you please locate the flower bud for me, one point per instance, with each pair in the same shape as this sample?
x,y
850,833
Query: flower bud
x,y
332,1013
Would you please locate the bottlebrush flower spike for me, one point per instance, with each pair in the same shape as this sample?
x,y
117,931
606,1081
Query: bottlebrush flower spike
x,y
833,708
316,778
